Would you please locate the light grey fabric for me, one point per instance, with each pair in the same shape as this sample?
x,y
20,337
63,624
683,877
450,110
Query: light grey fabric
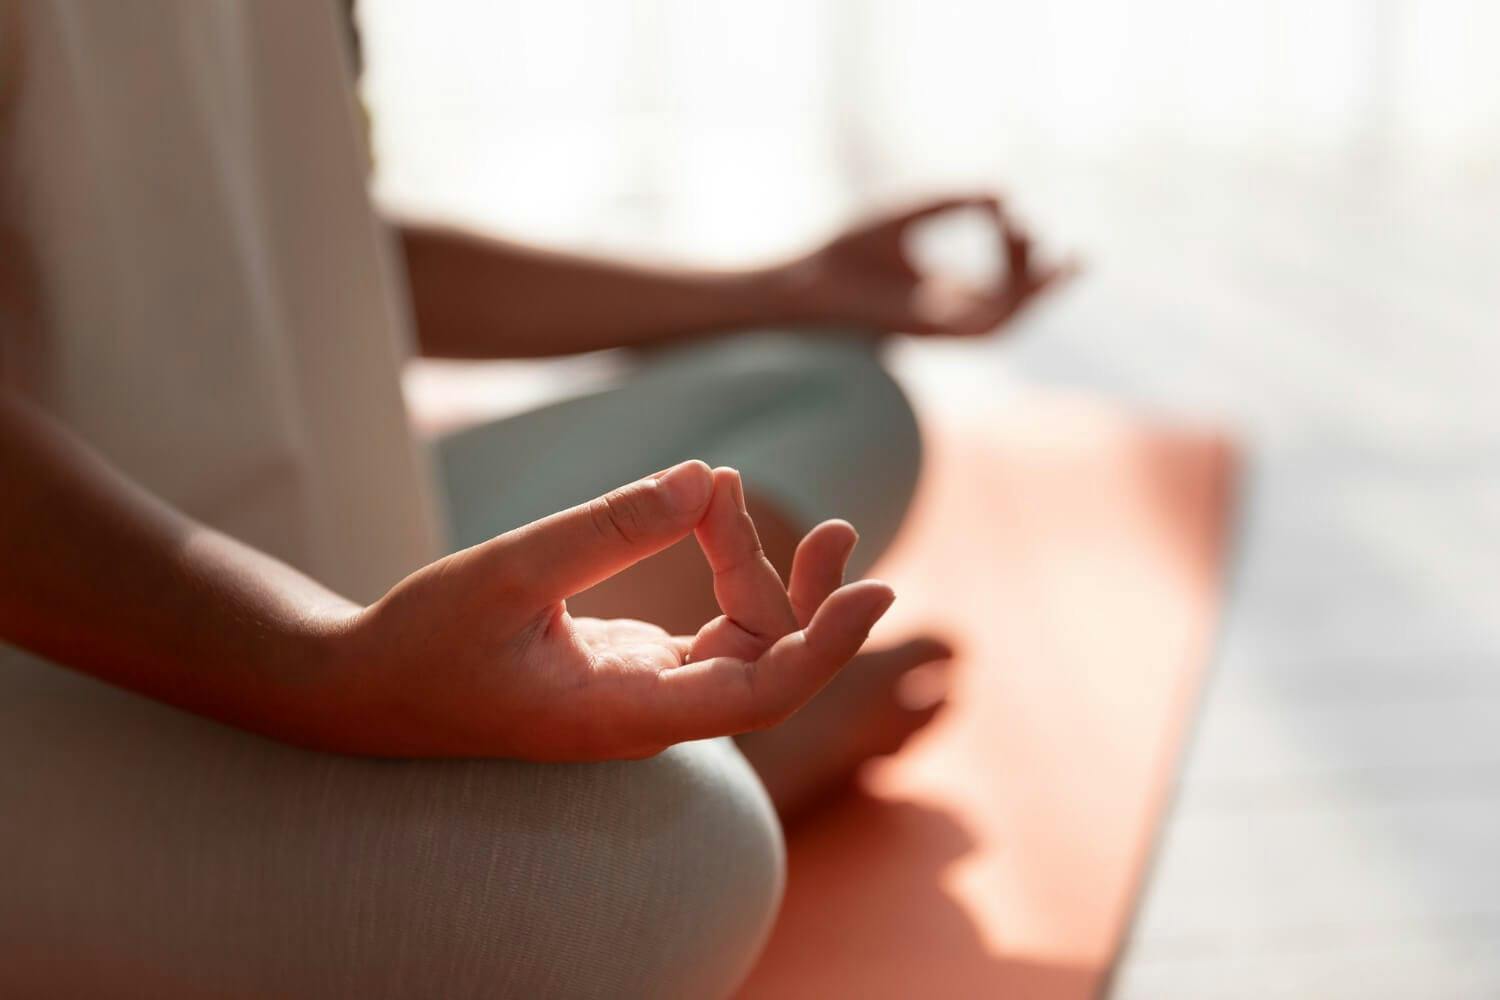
x,y
151,853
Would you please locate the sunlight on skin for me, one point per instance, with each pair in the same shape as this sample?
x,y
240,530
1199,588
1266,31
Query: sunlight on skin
x,y
527,679
674,588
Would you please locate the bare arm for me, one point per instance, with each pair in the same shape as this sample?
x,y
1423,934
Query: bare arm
x,y
473,655
477,297
100,575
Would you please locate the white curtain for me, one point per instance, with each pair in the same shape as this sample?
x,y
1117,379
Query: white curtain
x,y
730,129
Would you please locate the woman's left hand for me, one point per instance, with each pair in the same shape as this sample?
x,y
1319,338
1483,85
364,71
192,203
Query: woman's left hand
x,y
866,277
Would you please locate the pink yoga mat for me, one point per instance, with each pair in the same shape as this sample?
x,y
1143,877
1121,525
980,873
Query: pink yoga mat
x,y
1076,553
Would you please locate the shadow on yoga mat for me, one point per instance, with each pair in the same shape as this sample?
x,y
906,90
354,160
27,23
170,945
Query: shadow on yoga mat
x,y
1076,554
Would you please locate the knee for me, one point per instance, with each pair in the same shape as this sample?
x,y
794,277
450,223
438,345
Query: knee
x,y
877,406
647,878
712,869
865,419
844,375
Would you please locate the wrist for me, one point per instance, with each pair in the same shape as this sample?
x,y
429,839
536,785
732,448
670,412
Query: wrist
x,y
325,644
789,291
300,687
336,670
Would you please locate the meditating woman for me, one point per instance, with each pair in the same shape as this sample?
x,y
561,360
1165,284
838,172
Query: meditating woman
x,y
372,725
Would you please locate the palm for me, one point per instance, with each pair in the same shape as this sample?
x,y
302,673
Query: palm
x,y
614,650
620,669
632,655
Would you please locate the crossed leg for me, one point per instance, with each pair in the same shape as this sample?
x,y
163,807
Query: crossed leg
x,y
817,428
153,853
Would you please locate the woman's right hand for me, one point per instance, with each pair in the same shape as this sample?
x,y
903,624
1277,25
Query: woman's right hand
x,y
476,654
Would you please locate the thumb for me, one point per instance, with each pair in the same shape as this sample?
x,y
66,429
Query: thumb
x,y
570,551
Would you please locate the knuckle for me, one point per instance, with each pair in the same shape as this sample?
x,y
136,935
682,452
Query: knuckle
x,y
620,516
603,520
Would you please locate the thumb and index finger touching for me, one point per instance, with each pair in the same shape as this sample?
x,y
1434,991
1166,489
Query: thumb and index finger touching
x,y
566,553
1015,238
563,554
773,647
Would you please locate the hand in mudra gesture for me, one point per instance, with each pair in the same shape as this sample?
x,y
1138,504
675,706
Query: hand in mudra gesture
x,y
865,276
477,655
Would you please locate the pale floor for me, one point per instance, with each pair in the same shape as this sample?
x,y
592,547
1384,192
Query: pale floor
x,y
1337,829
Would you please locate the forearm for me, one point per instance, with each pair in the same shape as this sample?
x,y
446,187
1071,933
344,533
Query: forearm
x,y
97,574
479,297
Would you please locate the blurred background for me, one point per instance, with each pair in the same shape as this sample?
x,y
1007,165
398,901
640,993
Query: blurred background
x,y
1288,212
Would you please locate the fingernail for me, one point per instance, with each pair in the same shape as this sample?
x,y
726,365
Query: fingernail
x,y
736,487
686,486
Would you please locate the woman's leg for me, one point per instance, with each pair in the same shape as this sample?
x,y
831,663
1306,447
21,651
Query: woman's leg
x,y
151,853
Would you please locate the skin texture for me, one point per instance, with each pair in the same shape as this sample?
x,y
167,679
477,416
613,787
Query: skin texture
x,y
516,675
674,588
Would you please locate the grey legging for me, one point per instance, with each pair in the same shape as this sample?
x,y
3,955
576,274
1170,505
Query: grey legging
x,y
151,853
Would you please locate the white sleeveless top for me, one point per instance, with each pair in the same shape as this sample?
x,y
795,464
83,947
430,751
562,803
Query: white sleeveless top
x,y
218,309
